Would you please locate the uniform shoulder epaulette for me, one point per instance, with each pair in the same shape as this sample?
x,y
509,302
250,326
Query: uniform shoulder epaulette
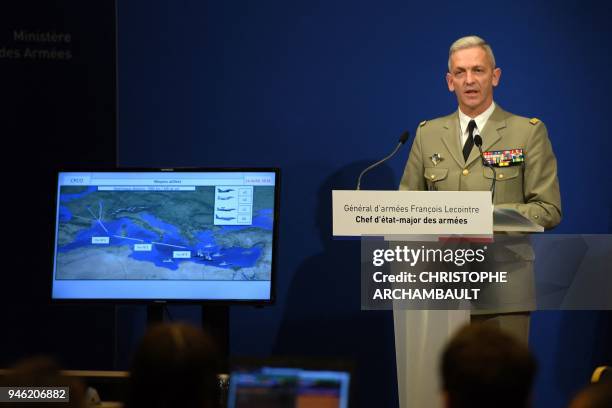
x,y
422,123
534,121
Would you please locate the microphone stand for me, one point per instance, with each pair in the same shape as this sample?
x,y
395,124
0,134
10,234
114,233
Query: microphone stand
x,y
403,138
478,143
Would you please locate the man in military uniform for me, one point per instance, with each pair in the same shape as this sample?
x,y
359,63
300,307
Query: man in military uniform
x,y
443,155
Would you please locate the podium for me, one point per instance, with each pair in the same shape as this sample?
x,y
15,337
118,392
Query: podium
x,y
421,335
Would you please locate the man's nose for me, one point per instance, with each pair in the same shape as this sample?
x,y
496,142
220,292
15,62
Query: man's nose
x,y
469,77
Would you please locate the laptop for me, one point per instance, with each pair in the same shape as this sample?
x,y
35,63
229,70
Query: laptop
x,y
288,387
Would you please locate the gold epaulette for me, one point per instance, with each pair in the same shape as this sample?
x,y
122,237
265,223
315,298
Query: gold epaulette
x,y
534,121
422,123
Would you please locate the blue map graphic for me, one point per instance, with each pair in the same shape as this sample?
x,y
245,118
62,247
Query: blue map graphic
x,y
143,227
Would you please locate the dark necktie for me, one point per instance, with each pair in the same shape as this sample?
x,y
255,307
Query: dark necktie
x,y
469,143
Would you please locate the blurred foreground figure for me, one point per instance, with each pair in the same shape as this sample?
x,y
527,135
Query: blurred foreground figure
x,y
482,366
174,366
43,372
598,395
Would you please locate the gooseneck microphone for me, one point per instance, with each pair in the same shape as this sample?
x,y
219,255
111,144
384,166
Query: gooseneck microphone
x,y
403,138
478,143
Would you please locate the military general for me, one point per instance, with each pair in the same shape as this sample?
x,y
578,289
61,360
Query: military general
x,y
517,152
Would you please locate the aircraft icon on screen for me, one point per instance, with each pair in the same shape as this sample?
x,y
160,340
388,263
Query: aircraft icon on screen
x,y
225,218
229,190
225,209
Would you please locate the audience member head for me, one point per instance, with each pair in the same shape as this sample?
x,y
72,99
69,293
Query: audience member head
x,y
44,372
598,395
484,367
175,365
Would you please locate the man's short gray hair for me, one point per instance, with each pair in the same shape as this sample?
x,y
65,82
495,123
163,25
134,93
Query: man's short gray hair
x,y
469,42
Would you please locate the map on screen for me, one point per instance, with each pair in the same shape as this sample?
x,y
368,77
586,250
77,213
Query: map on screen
x,y
210,226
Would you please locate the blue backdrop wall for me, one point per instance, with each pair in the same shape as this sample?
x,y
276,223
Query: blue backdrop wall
x,y
322,88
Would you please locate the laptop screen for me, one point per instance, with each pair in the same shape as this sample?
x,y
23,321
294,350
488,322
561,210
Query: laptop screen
x,y
273,387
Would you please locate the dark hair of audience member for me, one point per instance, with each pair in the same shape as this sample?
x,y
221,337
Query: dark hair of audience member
x,y
175,365
485,367
598,395
44,371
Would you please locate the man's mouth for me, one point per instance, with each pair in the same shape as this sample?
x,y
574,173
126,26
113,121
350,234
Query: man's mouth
x,y
471,91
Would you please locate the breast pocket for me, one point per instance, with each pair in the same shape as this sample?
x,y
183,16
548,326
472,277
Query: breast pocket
x,y
433,176
508,183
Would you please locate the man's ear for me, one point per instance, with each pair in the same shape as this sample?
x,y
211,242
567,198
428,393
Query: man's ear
x,y
496,76
449,82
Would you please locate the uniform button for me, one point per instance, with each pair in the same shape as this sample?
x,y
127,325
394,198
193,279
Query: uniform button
x,y
500,176
465,172
433,176
536,216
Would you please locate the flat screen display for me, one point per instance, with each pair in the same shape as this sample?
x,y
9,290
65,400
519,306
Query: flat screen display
x,y
191,235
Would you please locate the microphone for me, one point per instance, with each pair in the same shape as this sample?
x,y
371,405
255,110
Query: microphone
x,y
403,138
478,143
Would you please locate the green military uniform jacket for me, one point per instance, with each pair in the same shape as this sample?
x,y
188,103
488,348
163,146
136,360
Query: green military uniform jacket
x,y
531,188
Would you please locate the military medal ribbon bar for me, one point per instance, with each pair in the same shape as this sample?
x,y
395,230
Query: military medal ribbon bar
x,y
504,158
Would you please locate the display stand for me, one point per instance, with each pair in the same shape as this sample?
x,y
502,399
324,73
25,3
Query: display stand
x,y
214,321
155,313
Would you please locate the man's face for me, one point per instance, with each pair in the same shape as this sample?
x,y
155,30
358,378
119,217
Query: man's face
x,y
472,79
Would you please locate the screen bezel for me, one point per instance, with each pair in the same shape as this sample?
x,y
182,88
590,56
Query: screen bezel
x,y
152,301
